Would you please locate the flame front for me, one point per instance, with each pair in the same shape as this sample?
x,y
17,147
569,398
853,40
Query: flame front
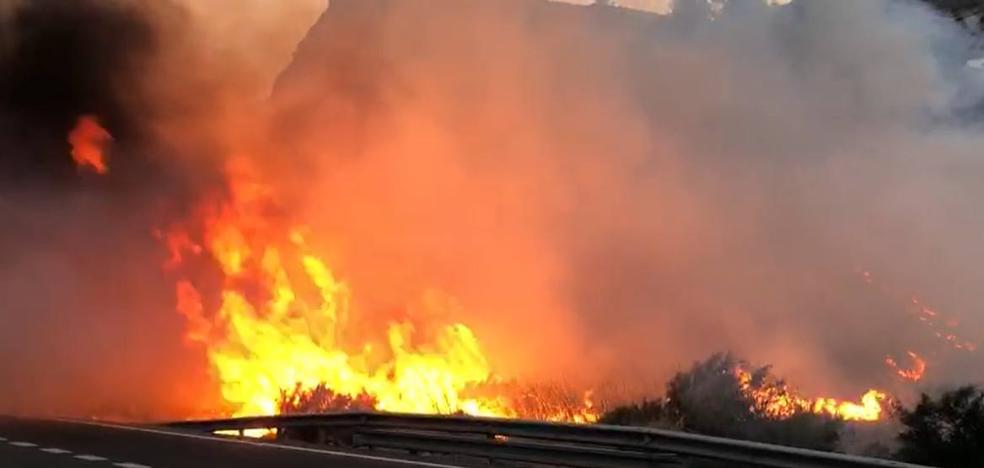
x,y
283,318
777,400
88,139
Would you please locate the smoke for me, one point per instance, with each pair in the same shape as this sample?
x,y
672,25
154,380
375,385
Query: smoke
x,y
89,327
87,323
619,193
605,194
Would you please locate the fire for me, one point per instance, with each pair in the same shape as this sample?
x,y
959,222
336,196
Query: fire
x,y
775,399
552,403
870,408
88,139
585,413
944,328
913,373
283,327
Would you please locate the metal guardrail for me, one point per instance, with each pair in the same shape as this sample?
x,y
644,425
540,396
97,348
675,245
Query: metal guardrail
x,y
560,444
512,450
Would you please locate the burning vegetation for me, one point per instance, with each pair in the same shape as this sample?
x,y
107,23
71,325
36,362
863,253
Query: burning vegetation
x,y
284,335
284,321
774,399
281,341
408,224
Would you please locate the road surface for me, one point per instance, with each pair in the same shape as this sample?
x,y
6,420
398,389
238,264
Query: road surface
x,y
30,443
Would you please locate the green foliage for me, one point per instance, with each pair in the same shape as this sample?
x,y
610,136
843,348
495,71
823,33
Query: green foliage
x,y
946,432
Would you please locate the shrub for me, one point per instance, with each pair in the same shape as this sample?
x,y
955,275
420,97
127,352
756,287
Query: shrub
x,y
946,432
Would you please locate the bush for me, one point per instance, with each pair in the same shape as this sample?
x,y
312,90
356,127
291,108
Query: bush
x,y
945,432
710,399
321,399
649,413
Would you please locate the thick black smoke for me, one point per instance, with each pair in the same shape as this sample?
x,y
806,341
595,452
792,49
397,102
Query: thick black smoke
x,y
62,59
86,323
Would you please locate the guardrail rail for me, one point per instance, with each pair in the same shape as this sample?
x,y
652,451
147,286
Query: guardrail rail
x,y
559,444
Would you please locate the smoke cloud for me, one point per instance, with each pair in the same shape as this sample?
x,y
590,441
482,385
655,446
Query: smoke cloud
x,y
604,194
622,192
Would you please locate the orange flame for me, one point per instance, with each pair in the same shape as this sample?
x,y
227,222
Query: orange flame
x,y
914,373
870,408
579,412
88,139
285,323
774,399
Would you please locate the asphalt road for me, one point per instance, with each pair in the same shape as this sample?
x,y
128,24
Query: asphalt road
x,y
30,443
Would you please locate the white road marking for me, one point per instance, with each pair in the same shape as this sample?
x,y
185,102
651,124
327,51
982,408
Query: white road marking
x,y
91,458
56,451
22,444
130,465
2,439
261,444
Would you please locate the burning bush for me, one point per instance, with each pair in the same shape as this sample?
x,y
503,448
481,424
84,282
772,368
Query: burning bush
x,y
719,397
321,399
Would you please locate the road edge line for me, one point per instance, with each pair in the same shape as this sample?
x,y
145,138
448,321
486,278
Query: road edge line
x,y
258,444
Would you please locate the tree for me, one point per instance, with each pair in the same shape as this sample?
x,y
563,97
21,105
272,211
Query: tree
x,y
946,432
961,10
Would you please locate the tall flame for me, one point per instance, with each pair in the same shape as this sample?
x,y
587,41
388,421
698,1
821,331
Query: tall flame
x,y
284,321
88,140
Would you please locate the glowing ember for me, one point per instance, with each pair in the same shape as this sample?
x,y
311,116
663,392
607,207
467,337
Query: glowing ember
x,y
775,399
942,327
88,140
914,373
